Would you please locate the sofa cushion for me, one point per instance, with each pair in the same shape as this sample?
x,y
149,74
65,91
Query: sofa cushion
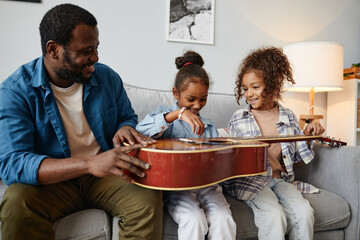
x,y
219,107
331,212
87,224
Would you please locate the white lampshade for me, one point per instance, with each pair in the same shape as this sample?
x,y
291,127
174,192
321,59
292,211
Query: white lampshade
x,y
317,66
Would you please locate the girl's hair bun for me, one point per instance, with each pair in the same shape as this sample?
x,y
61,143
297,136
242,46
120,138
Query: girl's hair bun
x,y
190,57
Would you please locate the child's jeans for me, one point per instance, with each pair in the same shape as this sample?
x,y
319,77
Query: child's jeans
x,y
279,209
202,211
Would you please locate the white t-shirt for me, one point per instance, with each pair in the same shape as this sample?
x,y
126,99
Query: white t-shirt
x,y
81,139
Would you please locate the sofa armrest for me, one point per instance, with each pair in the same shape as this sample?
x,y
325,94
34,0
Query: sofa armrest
x,y
336,170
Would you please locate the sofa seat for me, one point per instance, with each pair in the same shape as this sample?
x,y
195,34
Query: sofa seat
x,y
93,223
331,212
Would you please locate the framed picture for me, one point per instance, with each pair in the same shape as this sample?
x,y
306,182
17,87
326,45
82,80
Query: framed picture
x,y
190,21
35,1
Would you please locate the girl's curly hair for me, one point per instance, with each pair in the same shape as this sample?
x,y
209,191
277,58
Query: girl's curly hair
x,y
272,65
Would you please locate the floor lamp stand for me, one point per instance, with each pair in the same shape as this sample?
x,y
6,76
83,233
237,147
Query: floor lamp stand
x,y
306,119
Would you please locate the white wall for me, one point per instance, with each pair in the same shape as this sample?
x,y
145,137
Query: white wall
x,y
132,36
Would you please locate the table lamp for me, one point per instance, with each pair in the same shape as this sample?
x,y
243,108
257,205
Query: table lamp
x,y
317,67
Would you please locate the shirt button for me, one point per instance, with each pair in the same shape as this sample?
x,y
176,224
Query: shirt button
x,y
63,143
284,156
162,127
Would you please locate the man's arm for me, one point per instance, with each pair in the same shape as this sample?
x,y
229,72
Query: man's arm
x,y
108,163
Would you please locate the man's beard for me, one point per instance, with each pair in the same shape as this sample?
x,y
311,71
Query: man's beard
x,y
69,75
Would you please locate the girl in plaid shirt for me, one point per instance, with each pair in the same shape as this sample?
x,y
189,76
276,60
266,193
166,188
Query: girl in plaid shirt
x,y
279,208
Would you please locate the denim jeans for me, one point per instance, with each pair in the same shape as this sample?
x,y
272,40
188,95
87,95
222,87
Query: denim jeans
x,y
279,209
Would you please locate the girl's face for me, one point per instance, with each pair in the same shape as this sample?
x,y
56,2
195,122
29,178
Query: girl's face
x,y
253,87
193,98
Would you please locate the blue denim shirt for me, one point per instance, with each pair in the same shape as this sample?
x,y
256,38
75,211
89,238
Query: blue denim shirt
x,y
154,125
31,125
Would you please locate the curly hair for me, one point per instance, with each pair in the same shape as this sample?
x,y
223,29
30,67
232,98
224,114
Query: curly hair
x,y
59,22
190,70
272,65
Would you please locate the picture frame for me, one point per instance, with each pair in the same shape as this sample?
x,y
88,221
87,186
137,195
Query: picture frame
x,y
32,1
190,21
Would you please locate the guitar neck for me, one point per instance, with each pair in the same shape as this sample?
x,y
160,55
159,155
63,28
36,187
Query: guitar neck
x,y
275,139
288,138
294,138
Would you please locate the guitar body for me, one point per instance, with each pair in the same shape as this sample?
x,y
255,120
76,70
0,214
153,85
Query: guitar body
x,y
177,165
190,163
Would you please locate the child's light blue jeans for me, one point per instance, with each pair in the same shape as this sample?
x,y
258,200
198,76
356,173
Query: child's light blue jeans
x,y
279,209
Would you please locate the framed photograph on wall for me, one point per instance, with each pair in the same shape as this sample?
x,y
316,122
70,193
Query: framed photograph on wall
x,y
35,1
190,21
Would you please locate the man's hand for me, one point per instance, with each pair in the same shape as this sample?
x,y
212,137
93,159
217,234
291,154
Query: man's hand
x,y
113,162
130,135
313,128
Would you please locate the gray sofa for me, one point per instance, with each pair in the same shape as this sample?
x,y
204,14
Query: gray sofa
x,y
335,171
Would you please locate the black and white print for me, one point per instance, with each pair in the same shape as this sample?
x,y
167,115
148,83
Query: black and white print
x,y
191,21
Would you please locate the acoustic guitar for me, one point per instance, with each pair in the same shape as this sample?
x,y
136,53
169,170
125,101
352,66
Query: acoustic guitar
x,y
190,163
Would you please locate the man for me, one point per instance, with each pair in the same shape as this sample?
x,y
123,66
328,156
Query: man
x,y
63,118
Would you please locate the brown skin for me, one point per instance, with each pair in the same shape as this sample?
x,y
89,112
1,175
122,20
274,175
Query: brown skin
x,y
82,50
83,54
253,87
313,128
193,98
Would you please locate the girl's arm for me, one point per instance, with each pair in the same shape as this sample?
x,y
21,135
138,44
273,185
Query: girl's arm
x,y
153,125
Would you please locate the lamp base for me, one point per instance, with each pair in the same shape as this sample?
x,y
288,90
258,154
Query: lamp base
x,y
308,119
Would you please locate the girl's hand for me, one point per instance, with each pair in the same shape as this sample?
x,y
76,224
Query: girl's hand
x,y
194,121
313,128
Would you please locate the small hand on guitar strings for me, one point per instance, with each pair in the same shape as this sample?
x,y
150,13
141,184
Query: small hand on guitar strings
x,y
313,128
194,121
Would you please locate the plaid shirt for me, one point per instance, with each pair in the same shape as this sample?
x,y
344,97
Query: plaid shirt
x,y
243,124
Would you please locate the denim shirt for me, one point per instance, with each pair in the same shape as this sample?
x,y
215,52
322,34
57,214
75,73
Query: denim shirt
x,y
31,125
154,125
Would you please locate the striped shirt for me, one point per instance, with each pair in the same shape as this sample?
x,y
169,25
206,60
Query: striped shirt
x,y
243,124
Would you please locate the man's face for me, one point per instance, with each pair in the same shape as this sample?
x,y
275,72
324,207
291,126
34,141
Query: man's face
x,y
78,58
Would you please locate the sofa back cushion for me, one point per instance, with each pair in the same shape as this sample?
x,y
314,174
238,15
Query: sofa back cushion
x,y
219,107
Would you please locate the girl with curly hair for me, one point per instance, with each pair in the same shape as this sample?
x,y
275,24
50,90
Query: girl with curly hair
x,y
279,208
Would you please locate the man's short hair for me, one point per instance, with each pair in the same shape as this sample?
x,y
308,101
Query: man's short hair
x,y
59,22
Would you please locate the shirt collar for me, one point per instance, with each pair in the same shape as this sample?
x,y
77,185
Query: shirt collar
x,y
284,117
39,76
245,112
